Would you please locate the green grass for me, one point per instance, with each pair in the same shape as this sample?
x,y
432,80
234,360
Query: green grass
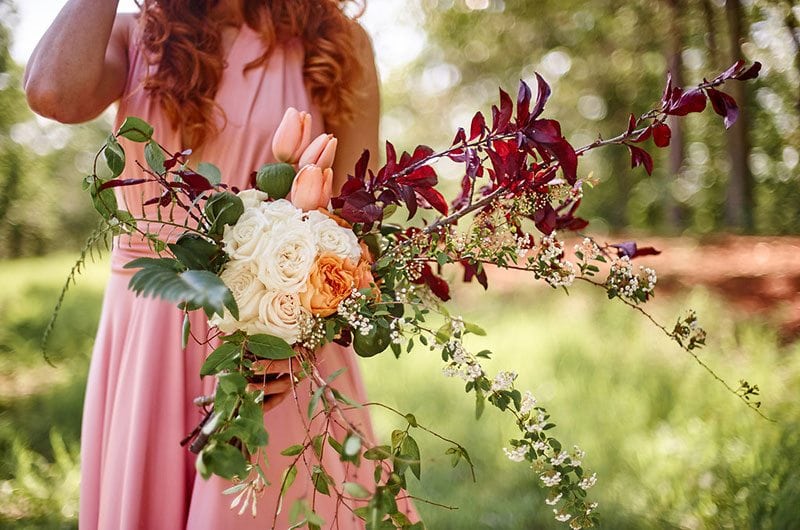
x,y
671,448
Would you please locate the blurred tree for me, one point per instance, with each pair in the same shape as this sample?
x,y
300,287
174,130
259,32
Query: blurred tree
x,y
605,59
42,207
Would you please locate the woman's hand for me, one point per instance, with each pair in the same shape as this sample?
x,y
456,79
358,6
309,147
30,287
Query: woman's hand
x,y
80,65
278,379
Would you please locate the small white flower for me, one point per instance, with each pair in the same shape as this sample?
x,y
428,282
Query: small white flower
x,y
503,381
588,482
528,402
559,458
517,454
562,517
540,446
553,478
552,501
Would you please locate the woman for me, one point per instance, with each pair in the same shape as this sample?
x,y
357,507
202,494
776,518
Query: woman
x,y
214,75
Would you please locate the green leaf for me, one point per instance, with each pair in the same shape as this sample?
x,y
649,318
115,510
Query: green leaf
x,y
154,156
135,129
474,329
315,397
356,490
412,420
287,479
197,252
410,451
316,443
223,358
224,460
222,209
380,452
292,450
164,278
187,330
210,172
114,155
320,480
232,383
105,202
269,347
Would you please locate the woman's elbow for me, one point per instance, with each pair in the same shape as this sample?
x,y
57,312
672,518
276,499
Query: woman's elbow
x,y
50,102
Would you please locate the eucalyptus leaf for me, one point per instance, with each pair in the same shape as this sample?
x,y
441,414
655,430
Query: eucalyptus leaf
x,y
210,172
114,156
223,358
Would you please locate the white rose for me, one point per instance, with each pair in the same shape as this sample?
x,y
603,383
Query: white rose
x,y
330,237
280,210
241,241
285,258
242,279
252,198
279,315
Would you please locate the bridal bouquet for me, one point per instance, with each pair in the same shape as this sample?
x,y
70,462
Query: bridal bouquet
x,y
284,267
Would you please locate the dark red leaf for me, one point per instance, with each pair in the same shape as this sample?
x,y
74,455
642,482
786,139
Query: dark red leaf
x,y
360,207
420,153
410,199
640,157
506,108
436,284
567,159
115,183
642,136
691,101
573,224
197,182
631,124
665,98
523,103
545,219
460,137
542,95
724,105
477,126
731,71
424,176
662,134
434,198
476,271
631,250
749,73
544,131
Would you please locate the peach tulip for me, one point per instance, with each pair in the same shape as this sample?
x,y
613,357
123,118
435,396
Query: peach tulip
x,y
320,152
312,188
292,136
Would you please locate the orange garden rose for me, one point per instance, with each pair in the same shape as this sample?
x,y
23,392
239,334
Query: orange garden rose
x,y
331,280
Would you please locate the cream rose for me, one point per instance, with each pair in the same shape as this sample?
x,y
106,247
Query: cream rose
x,y
330,237
280,210
279,314
286,257
252,198
242,240
242,279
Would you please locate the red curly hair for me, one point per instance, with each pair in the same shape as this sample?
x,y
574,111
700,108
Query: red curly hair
x,y
180,36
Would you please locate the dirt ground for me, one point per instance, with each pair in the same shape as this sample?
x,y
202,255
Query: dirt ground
x,y
756,275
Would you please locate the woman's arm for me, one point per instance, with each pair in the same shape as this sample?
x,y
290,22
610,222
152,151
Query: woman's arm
x,y
362,132
80,65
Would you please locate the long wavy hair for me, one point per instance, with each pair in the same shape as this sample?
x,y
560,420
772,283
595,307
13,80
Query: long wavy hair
x,y
180,36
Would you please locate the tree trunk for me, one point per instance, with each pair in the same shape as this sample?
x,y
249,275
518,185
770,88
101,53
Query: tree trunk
x,y
675,212
739,200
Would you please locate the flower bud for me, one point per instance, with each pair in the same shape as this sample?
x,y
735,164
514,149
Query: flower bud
x,y
292,136
320,152
312,188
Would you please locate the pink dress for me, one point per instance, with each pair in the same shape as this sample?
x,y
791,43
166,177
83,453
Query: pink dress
x,y
135,474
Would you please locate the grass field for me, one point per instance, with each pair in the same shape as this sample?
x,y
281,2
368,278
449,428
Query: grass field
x,y
671,448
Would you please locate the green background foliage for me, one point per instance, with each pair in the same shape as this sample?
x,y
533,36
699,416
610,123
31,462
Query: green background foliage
x,y
672,449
